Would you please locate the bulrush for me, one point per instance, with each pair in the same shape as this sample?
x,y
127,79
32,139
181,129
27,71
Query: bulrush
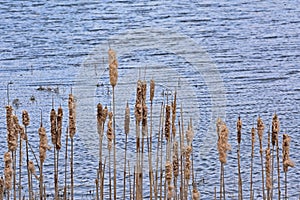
x,y
59,127
8,172
260,131
113,67
275,140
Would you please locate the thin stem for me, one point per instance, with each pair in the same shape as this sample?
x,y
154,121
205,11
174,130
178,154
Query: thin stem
x,y
72,169
114,128
278,170
124,179
285,180
262,169
27,163
66,165
20,168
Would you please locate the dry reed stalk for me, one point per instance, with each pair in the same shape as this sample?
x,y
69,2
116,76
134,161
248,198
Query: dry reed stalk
x,y
59,118
66,165
102,180
260,131
144,130
26,122
182,152
157,152
275,132
175,165
100,133
138,119
223,147
53,130
72,131
152,91
126,130
8,172
130,194
251,167
239,137
1,188
168,132
287,162
173,105
113,77
42,149
110,138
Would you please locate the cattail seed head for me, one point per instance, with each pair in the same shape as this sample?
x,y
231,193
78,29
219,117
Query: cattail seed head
x,y
25,118
268,169
175,159
190,134
110,134
145,120
275,129
173,105
260,128
169,172
196,193
53,129
127,119
287,162
113,67
252,139
104,114
152,89
239,129
138,104
168,123
223,145
59,127
8,170
43,144
72,116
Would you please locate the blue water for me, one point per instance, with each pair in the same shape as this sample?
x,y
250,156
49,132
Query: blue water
x,y
225,58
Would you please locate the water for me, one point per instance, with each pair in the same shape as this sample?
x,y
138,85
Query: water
x,y
225,58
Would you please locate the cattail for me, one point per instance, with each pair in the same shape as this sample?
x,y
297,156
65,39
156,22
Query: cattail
x,y
268,169
175,159
99,118
8,171
196,193
127,119
168,172
239,129
22,133
170,192
287,162
113,67
138,103
110,134
11,129
72,116
32,168
152,89
53,126
168,123
1,188
59,127
25,118
223,145
104,115
275,129
188,163
43,143
260,130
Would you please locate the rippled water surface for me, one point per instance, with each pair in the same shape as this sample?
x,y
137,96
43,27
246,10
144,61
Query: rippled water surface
x,y
224,58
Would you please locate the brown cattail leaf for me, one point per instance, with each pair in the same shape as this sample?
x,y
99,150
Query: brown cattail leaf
x,y
152,89
127,119
268,169
43,144
25,118
239,129
168,123
53,128
110,133
275,129
113,67
59,127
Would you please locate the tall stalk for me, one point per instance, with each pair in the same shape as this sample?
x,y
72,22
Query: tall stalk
x,y
239,137
251,167
66,165
275,132
126,130
260,130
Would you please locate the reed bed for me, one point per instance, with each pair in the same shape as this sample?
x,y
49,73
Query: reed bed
x,y
171,174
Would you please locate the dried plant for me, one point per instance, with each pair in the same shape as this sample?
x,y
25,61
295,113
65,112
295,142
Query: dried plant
x,y
260,131
239,137
126,130
275,140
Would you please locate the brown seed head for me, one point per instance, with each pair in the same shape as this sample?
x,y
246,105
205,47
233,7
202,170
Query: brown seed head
x,y
113,67
127,119
25,118
152,89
